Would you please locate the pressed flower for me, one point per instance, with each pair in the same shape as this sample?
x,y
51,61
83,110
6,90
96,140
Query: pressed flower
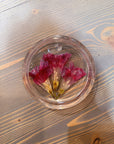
x,y
69,77
34,71
57,63
53,66
41,74
50,58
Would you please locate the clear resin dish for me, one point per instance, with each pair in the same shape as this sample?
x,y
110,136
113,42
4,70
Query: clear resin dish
x,y
81,58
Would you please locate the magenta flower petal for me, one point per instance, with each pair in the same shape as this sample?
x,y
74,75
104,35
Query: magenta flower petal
x,y
50,58
41,74
34,71
66,73
57,61
43,65
72,73
62,59
77,74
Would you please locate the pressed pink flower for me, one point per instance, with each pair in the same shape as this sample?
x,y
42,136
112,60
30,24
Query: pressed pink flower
x,y
57,63
50,58
62,59
73,73
34,71
41,74
70,76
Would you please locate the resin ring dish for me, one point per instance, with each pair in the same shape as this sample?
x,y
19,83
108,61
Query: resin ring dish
x,y
81,57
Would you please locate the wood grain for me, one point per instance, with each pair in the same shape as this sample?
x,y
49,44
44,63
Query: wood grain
x,y
22,24
6,5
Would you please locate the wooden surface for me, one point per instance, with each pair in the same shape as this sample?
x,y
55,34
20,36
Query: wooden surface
x,y
22,24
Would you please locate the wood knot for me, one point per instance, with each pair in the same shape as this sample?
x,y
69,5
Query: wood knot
x,y
19,120
97,141
35,11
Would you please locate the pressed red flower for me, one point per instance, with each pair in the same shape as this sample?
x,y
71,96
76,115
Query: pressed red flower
x,y
57,61
73,73
41,74
34,71
62,59
70,76
50,58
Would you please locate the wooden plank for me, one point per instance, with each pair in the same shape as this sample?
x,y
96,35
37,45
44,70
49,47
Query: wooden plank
x,y
22,120
6,4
